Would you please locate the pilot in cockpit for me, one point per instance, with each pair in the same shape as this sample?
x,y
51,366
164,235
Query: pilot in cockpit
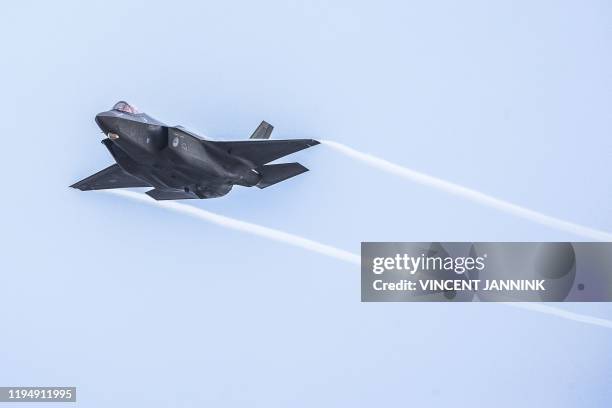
x,y
125,107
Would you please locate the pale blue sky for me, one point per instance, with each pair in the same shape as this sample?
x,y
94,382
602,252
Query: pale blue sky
x,y
137,306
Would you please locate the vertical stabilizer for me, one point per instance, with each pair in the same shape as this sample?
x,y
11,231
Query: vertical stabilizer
x,y
263,131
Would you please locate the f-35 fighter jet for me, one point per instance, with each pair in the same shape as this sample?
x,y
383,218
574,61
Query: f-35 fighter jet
x,y
179,164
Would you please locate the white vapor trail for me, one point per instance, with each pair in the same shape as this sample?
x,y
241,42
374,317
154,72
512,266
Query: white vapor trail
x,y
318,247
244,226
470,194
565,314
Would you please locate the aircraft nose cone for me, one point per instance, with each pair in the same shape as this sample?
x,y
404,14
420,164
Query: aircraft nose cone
x,y
107,122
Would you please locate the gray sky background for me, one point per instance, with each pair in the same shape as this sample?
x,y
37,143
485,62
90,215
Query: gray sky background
x,y
138,306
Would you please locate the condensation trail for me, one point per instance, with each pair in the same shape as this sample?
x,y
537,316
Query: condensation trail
x,y
554,311
323,249
470,194
244,226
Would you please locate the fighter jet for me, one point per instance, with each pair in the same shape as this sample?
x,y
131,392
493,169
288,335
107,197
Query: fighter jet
x,y
180,164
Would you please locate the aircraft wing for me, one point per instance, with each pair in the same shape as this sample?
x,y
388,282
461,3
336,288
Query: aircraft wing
x,y
264,151
111,177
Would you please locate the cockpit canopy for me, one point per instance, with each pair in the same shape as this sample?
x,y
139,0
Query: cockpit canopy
x,y
125,107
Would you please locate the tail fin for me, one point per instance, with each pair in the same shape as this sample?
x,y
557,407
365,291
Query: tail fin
x,y
275,173
263,131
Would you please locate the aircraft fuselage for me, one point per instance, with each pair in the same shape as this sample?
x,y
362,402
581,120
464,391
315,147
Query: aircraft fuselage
x,y
170,157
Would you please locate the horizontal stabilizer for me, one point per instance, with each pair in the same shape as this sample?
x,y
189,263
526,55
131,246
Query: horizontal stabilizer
x,y
264,151
263,131
111,177
275,173
160,194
